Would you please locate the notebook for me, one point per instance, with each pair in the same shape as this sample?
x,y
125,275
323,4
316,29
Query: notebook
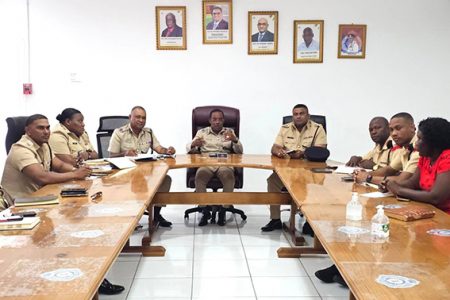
x,y
409,213
37,200
26,223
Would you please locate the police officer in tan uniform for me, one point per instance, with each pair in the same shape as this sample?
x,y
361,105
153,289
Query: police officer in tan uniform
x,y
291,142
402,166
69,141
133,139
404,156
215,138
381,155
31,164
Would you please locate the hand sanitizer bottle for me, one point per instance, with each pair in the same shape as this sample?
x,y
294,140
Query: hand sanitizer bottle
x,y
380,223
354,209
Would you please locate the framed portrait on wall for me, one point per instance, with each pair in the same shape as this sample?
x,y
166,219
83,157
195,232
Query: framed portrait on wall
x,y
262,32
352,41
217,22
308,41
171,28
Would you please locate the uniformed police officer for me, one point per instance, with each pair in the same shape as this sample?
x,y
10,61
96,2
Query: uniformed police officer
x,y
380,156
405,157
291,142
402,166
215,138
31,164
133,139
69,141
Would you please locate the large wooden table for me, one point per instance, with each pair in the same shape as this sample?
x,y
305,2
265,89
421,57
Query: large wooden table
x,y
53,245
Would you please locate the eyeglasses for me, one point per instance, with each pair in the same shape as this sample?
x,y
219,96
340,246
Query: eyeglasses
x,y
96,196
262,24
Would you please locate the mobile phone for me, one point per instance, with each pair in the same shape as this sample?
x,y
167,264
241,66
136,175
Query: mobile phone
x,y
74,192
347,179
25,214
321,170
290,151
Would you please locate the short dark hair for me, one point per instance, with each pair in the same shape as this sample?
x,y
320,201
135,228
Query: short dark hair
x,y
216,7
138,107
68,113
435,133
301,106
216,110
404,115
33,118
382,120
308,29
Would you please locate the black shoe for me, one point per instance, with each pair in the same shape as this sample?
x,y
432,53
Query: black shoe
x,y
307,229
107,288
327,275
221,220
205,217
272,225
338,278
163,222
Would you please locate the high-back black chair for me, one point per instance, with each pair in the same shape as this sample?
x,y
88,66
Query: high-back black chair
x,y
16,128
105,131
200,119
316,118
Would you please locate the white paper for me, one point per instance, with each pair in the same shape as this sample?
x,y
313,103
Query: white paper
x,y
121,162
377,195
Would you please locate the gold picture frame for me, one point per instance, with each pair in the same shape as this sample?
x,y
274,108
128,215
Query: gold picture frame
x,y
352,41
308,41
217,22
262,32
169,34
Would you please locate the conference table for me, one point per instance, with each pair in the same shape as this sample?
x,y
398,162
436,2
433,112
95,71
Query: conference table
x,y
67,255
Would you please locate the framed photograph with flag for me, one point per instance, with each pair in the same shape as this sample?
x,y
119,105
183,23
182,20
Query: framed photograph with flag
x,y
217,22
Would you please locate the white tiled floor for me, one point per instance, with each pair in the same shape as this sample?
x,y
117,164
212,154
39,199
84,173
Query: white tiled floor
x,y
236,261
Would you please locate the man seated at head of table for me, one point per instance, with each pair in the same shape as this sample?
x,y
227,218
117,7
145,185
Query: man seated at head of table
x,y
430,182
403,165
404,155
133,139
215,138
291,142
69,141
380,155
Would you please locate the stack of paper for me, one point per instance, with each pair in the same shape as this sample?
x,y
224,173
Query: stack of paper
x,y
26,223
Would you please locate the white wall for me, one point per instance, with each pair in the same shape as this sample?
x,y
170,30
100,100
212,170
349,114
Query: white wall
x,y
111,45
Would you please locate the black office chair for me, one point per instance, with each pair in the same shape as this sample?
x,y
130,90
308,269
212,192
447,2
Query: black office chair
x,y
16,128
105,131
316,118
200,119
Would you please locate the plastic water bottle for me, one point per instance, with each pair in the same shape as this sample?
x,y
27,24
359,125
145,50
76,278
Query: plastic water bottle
x,y
380,223
354,209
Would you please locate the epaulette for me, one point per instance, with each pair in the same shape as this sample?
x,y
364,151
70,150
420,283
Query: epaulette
x,y
285,125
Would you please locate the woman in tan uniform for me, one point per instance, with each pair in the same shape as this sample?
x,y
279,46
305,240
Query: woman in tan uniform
x,y
69,141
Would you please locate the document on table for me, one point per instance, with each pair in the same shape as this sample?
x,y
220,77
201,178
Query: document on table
x,y
377,195
348,170
121,162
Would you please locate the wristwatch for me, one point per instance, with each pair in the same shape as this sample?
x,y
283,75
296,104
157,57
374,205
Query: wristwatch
x,y
369,178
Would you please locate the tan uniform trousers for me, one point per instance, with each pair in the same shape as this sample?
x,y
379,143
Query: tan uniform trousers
x,y
204,175
274,185
165,186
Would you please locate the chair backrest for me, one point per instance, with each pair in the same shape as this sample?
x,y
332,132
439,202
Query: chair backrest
x,y
200,118
103,139
105,130
109,123
316,118
16,128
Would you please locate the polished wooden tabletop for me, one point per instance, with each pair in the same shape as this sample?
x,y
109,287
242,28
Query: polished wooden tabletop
x,y
62,243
